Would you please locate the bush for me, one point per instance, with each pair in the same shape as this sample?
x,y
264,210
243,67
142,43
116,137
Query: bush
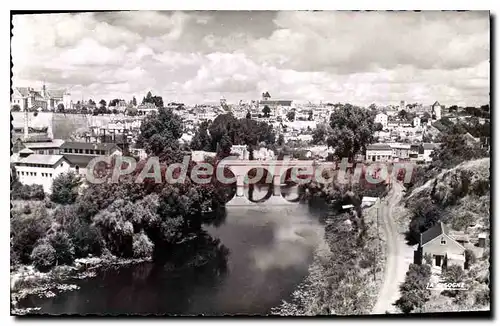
x,y
142,246
414,292
65,251
43,256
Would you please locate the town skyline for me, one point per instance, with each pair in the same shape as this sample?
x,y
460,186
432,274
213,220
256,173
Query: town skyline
x,y
199,57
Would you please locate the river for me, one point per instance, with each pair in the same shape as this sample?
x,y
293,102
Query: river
x,y
270,249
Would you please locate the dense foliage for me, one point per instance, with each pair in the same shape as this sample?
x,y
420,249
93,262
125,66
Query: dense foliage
x,y
414,292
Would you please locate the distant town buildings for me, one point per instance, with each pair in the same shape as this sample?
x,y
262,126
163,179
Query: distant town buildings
x,y
28,98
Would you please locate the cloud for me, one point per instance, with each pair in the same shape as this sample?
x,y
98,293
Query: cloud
x,y
357,57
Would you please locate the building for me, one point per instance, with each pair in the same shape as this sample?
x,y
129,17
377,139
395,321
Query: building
x,y
381,118
402,106
45,147
400,151
426,151
379,153
39,169
416,122
79,154
241,151
278,107
28,98
440,246
436,110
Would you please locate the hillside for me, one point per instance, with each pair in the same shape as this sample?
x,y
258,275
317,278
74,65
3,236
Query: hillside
x,y
459,197
463,192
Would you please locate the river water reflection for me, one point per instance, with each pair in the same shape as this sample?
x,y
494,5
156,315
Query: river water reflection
x,y
270,250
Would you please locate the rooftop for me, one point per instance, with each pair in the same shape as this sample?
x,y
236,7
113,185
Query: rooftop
x,y
433,232
83,145
380,146
41,159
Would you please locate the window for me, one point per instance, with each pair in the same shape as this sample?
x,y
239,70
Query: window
x,y
22,173
80,151
443,241
51,151
70,150
50,174
86,151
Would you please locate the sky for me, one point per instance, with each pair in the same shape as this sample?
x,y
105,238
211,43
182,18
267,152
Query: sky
x,y
201,56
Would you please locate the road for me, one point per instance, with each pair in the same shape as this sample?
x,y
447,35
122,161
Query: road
x,y
398,254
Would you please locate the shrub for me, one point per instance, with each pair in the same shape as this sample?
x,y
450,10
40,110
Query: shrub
x,y
414,292
142,246
64,248
43,256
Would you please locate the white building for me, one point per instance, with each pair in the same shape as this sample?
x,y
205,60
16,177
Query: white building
x,y
382,119
436,111
416,122
379,153
39,169
29,98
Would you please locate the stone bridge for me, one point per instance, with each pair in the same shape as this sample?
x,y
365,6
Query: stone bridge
x,y
276,172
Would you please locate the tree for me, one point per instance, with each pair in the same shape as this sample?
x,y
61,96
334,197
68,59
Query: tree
x,y
91,102
159,134
102,103
373,107
310,118
65,188
64,249
320,134
402,114
249,115
267,111
43,256
16,108
201,140
134,101
453,108
291,115
60,107
352,130
378,126
281,140
455,149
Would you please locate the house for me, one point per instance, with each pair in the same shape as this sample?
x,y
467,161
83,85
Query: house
x,y
379,152
29,98
241,151
440,246
381,118
39,169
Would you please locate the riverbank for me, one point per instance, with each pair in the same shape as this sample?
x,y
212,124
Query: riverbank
x,y
26,280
